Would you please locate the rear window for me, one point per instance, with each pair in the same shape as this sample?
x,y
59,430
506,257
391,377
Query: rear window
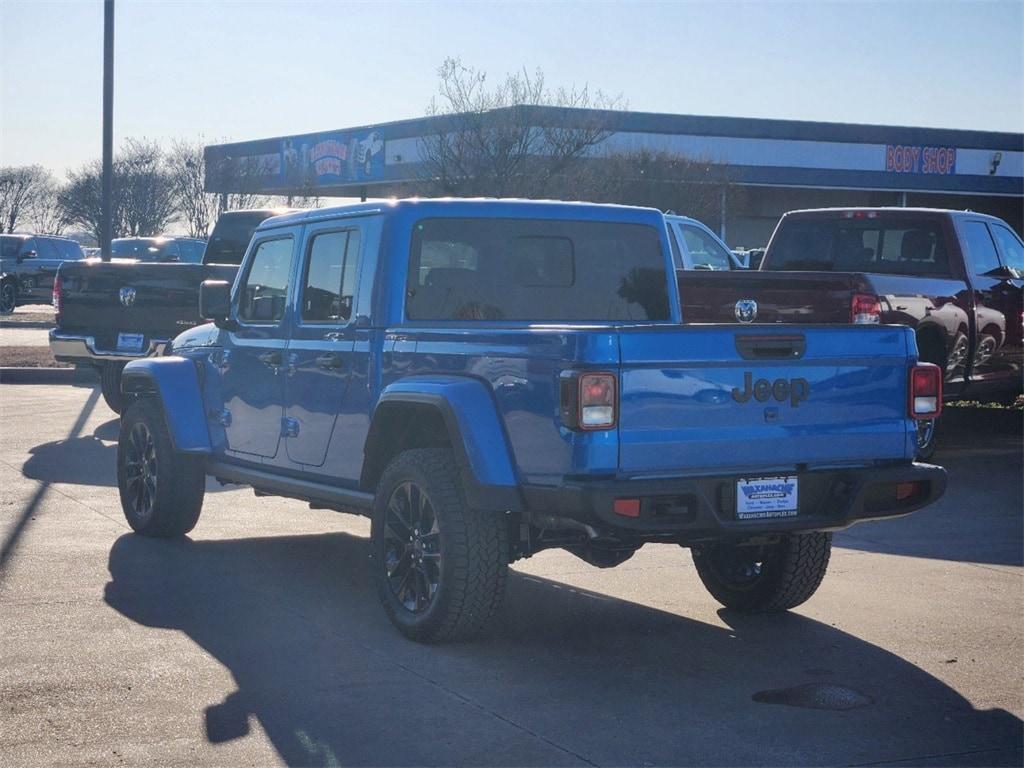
x,y
231,235
890,245
525,269
145,249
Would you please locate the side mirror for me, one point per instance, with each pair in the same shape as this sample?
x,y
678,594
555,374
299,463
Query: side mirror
x,y
215,302
26,255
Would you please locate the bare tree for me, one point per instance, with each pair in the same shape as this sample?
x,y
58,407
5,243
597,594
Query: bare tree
x,y
20,188
45,215
147,195
187,168
492,141
81,202
658,179
144,202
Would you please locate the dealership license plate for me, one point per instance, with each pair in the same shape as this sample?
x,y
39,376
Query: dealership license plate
x,y
130,342
761,497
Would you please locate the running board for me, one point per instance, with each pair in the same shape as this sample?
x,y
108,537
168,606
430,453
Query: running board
x,y
276,485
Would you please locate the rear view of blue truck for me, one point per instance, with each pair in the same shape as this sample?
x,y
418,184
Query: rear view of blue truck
x,y
489,379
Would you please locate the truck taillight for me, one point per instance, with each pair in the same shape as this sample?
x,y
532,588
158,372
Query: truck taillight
x,y
865,309
589,401
925,397
597,401
58,297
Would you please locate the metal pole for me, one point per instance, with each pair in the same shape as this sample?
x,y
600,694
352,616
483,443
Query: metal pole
x,y
107,204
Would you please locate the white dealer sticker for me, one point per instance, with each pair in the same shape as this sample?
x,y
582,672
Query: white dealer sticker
x,y
760,497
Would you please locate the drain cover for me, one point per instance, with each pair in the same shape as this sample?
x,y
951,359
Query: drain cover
x,y
815,696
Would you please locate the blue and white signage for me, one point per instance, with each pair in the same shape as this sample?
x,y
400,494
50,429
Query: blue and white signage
x,y
761,497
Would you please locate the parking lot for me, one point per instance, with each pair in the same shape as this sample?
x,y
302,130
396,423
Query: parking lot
x,y
259,640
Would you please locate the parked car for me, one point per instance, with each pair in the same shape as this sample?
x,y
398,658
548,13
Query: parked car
x,y
158,250
28,264
695,246
488,379
111,312
955,277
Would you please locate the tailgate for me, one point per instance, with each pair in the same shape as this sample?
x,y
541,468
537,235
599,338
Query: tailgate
x,y
158,301
715,397
782,297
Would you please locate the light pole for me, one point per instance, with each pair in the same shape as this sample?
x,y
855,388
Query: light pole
x,y
107,193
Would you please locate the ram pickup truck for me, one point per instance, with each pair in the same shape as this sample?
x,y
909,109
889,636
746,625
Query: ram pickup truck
x,y
488,379
955,277
111,312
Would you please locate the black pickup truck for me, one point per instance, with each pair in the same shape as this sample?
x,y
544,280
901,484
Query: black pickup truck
x,y
953,276
109,313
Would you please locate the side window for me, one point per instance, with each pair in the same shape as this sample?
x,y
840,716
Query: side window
x,y
981,251
263,295
705,252
30,245
329,286
47,249
1010,245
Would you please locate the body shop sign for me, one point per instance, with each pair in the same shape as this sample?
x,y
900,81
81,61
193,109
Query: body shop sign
x,y
904,158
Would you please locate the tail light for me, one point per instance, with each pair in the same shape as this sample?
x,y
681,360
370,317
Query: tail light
x,y
589,401
58,297
865,309
925,399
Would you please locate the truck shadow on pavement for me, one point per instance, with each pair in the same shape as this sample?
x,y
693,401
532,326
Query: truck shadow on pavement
x,y
566,676
82,460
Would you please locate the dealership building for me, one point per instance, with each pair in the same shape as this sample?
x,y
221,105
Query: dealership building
x,y
773,166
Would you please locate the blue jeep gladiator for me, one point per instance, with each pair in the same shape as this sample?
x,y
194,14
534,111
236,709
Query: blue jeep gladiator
x,y
488,379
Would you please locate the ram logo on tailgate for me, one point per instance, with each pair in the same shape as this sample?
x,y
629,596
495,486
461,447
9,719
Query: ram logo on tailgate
x,y
794,390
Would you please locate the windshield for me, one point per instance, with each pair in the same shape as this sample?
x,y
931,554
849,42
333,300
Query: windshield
x,y
9,246
491,269
900,246
144,249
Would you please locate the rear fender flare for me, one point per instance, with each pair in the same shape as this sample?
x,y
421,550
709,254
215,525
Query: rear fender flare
x,y
474,429
175,382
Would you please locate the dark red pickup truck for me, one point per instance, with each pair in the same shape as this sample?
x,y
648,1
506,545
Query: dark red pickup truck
x,y
955,276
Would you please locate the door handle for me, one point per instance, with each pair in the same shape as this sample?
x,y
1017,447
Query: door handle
x,y
273,359
329,362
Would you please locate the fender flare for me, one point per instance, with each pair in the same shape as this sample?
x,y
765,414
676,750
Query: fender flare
x,y
175,382
475,430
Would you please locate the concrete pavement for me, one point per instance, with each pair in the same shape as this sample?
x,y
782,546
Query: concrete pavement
x,y
260,641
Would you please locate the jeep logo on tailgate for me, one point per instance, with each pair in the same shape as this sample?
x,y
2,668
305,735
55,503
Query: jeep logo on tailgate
x,y
794,390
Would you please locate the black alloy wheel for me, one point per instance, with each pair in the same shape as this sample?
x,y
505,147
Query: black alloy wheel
x,y
412,547
140,470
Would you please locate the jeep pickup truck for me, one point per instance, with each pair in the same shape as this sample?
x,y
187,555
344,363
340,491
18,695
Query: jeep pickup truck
x,y
488,379
955,277
111,312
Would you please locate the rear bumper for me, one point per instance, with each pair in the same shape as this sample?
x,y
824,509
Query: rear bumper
x,y
704,508
74,348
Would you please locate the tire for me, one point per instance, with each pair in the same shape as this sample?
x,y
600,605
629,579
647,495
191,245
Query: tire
x,y
8,297
447,583
766,578
161,490
110,385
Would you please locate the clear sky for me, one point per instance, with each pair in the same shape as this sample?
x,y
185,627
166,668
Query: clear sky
x,y
244,70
